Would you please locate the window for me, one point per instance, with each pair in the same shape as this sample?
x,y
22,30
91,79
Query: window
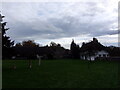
x,y
99,55
104,55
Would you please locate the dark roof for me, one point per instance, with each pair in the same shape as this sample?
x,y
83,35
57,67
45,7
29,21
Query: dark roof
x,y
92,46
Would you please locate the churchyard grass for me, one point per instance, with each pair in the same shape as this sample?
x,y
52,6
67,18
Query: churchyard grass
x,y
60,74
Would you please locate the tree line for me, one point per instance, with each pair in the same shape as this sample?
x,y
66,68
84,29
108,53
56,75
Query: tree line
x,y
28,49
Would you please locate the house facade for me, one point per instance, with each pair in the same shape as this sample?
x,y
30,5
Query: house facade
x,y
95,55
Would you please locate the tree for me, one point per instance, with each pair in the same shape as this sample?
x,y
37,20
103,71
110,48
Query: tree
x,y
113,51
74,50
53,44
6,42
28,43
18,45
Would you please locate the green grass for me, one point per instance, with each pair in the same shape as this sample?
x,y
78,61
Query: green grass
x,y
60,74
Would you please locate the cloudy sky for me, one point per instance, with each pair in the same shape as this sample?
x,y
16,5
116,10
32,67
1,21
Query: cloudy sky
x,y
61,22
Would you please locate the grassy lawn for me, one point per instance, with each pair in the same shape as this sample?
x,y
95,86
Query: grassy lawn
x,y
60,74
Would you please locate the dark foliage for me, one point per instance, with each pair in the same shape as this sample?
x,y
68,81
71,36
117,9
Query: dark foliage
x,y
74,50
28,43
113,51
6,42
29,51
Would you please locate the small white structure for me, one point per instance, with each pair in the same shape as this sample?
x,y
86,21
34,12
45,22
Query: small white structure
x,y
100,54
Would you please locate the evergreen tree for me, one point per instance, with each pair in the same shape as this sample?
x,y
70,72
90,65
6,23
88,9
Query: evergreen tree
x,y
6,42
74,50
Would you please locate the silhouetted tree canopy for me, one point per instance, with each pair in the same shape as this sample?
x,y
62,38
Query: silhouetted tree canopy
x,y
29,49
18,45
28,43
6,42
113,51
53,44
74,50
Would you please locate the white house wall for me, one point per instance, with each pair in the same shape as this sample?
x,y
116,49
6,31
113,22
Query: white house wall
x,y
101,53
92,58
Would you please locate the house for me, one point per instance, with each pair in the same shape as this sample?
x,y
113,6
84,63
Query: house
x,y
97,55
93,50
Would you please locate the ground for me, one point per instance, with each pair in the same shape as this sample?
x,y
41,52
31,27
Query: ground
x,y
60,74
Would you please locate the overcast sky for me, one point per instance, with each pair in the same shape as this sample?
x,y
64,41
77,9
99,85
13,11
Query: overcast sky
x,y
61,22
